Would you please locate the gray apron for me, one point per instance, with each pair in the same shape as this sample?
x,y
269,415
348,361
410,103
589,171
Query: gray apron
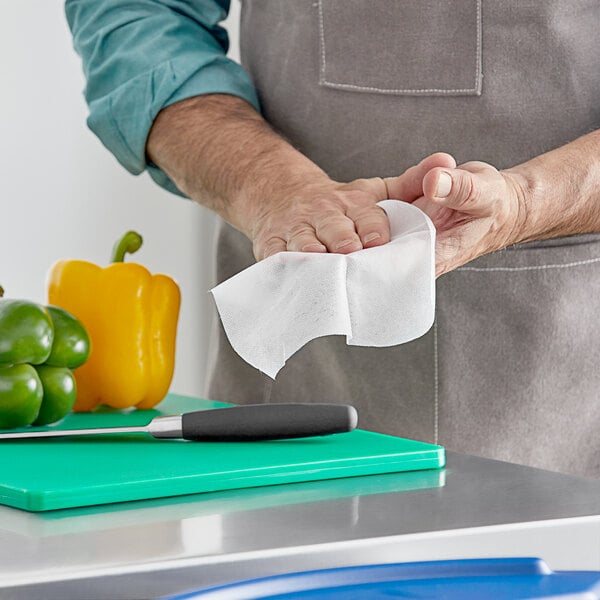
x,y
511,368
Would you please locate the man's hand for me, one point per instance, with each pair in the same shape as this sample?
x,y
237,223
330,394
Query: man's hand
x,y
475,208
328,216
323,216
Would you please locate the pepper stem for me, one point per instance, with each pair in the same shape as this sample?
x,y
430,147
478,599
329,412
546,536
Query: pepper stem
x,y
130,242
1,291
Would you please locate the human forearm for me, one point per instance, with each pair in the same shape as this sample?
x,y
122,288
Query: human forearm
x,y
220,152
561,194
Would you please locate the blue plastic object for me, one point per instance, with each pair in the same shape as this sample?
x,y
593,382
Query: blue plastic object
x,y
474,579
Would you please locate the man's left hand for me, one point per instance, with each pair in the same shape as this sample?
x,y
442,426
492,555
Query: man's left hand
x,y
475,208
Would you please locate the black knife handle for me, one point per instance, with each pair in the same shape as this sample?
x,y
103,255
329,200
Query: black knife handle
x,y
253,422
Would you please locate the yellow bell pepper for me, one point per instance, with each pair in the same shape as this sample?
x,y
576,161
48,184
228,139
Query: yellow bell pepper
x,y
131,317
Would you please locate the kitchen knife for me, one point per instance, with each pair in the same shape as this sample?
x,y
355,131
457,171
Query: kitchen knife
x,y
250,423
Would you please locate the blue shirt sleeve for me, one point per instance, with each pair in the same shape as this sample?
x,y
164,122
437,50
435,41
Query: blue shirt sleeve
x,y
140,56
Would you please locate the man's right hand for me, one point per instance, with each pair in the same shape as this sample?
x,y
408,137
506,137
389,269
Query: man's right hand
x,y
320,217
335,217
219,151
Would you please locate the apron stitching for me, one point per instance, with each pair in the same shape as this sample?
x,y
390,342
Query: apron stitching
x,y
435,383
578,263
393,91
322,39
350,86
478,60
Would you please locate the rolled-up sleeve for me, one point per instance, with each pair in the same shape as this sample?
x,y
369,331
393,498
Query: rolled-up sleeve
x,y
142,55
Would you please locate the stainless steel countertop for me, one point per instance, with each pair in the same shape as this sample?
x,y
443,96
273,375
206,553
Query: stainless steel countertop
x,y
474,507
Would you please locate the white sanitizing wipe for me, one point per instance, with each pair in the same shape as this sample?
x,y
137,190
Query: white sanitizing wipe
x,y
380,296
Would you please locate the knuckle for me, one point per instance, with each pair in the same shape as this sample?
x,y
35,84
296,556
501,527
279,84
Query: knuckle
x,y
323,204
356,197
361,182
354,185
370,225
468,191
354,193
298,230
269,246
332,221
370,213
474,165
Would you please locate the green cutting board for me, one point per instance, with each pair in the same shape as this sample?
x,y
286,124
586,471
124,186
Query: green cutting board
x,y
47,474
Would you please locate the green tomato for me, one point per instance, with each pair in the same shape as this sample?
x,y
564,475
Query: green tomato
x,y
20,395
71,346
59,393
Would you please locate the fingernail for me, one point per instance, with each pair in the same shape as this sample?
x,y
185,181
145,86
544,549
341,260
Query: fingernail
x,y
314,247
444,185
371,237
343,244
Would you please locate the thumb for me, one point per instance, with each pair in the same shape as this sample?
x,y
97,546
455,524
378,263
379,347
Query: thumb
x,y
461,190
409,185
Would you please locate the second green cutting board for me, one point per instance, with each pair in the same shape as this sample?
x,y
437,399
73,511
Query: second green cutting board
x,y
40,475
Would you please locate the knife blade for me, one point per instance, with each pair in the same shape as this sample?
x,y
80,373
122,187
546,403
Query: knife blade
x,y
251,422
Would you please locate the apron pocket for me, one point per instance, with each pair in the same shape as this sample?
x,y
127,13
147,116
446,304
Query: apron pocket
x,y
401,47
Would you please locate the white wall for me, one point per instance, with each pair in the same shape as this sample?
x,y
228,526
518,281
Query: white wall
x,y
62,195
